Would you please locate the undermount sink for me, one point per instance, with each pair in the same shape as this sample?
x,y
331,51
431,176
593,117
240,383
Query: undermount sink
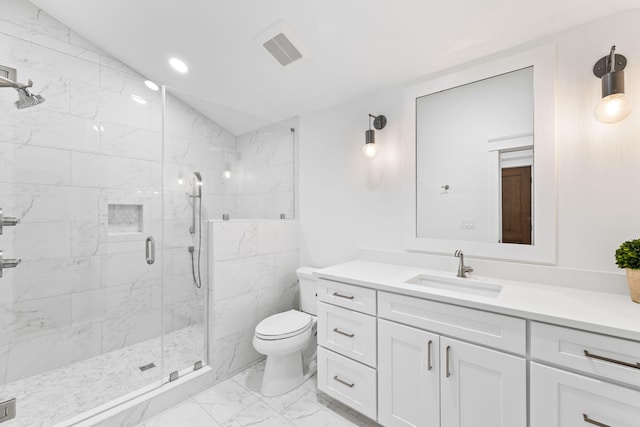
x,y
467,286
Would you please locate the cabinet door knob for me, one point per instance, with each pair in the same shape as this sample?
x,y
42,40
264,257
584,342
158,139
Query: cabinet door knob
x,y
429,355
586,419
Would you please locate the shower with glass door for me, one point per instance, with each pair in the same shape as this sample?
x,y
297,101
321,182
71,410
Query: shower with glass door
x,y
98,297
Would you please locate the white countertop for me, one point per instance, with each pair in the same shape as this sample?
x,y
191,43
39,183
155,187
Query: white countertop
x,y
601,312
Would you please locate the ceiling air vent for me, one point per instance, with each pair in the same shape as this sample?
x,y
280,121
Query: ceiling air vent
x,y
283,45
281,48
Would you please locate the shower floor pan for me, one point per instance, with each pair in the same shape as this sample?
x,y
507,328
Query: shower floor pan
x,y
58,395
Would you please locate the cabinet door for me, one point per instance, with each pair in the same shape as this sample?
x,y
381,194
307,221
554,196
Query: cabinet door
x,y
481,387
408,376
563,399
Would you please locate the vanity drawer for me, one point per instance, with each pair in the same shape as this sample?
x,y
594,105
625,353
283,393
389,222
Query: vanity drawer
x,y
563,399
352,383
489,329
348,296
566,347
347,332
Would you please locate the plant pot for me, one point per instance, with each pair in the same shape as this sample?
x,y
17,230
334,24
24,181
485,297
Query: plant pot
x,y
633,279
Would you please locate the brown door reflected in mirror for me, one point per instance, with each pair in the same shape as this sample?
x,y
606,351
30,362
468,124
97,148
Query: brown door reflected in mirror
x,y
516,205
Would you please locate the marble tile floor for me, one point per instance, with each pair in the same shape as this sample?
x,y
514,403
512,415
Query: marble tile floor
x,y
59,394
238,402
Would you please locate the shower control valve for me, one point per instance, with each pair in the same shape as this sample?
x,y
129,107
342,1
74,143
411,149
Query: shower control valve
x,y
7,221
7,263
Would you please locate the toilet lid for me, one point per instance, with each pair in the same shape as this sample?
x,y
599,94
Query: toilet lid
x,y
284,325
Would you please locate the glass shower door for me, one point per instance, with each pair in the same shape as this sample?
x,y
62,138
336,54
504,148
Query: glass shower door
x,y
193,156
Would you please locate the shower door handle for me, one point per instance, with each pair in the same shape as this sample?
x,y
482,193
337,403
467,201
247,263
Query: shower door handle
x,y
150,245
7,221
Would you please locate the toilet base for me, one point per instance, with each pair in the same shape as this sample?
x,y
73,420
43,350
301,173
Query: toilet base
x,y
282,373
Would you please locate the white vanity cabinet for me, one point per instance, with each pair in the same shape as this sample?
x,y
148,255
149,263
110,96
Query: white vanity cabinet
x,y
530,357
347,350
427,379
560,398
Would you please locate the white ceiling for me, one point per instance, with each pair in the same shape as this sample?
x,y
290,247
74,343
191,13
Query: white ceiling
x,y
356,46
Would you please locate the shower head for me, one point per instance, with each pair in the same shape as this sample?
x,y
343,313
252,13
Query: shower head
x,y
26,99
198,177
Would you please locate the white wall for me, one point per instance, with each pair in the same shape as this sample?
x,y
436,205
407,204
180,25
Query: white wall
x,y
347,201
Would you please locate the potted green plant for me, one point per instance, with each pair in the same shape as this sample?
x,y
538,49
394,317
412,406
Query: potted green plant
x,y
628,257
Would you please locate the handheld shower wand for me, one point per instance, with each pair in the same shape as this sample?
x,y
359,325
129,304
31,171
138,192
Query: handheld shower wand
x,y
198,184
197,194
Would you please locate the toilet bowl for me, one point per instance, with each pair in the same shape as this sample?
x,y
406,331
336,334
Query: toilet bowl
x,y
288,340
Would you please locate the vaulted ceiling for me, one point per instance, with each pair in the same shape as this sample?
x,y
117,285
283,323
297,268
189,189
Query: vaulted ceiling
x,y
353,46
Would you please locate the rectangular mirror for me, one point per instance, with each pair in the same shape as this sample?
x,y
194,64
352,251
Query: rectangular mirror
x,y
480,160
476,141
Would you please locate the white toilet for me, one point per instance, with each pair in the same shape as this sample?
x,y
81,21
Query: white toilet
x,y
289,341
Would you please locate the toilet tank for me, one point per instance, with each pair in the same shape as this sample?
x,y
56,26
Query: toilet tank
x,y
308,290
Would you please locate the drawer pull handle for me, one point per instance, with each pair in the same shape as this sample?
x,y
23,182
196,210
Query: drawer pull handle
x,y
617,362
586,419
429,355
335,294
350,385
448,354
338,331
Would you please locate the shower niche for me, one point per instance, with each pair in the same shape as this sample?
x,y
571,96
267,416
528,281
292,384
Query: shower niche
x,y
125,218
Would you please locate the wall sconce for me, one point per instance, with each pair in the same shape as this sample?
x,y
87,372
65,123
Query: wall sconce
x,y
370,150
614,105
226,173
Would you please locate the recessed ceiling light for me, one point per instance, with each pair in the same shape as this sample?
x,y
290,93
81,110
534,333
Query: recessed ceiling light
x,y
138,99
178,65
151,85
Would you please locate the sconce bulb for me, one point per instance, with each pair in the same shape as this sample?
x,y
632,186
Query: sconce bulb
x,y
226,174
370,150
613,108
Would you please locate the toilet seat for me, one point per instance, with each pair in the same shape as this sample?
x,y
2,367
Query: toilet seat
x,y
284,325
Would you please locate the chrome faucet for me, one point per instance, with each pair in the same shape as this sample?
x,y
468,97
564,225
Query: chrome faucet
x,y
462,269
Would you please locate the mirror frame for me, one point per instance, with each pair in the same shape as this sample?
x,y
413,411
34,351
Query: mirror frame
x,y
543,251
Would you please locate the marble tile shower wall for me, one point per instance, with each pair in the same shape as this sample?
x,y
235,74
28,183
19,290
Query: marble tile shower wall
x,y
81,289
265,172
253,275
